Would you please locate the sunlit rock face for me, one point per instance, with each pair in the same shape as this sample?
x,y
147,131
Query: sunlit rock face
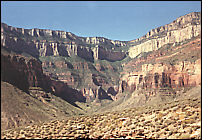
x,y
183,74
171,69
45,42
93,74
183,28
156,69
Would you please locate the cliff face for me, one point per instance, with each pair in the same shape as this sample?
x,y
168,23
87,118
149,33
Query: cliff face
x,y
109,55
170,57
183,28
25,73
154,76
89,79
41,42
173,67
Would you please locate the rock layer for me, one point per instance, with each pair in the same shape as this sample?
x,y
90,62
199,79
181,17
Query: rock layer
x,y
183,28
151,76
42,42
25,73
165,71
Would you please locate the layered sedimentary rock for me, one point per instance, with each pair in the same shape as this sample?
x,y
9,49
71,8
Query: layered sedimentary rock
x,y
25,73
96,93
110,55
38,32
44,42
163,72
184,74
94,80
102,40
79,75
174,61
183,28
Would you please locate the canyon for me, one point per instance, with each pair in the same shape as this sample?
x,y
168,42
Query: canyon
x,y
181,29
96,74
44,42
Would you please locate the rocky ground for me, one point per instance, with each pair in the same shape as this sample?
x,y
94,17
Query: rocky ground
x,y
179,119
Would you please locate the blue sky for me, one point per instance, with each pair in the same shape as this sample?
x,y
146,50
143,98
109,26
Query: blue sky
x,y
116,20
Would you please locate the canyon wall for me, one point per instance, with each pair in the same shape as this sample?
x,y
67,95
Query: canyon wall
x,y
174,61
165,72
183,28
90,80
25,73
43,42
151,76
110,55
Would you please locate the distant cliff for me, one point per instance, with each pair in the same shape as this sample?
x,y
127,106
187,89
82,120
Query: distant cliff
x,y
24,73
163,72
181,29
44,42
76,63
154,76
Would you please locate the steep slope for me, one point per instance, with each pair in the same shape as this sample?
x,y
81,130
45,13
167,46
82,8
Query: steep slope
x,y
183,28
29,96
25,72
163,73
176,66
97,74
179,119
41,42
41,97
20,109
67,57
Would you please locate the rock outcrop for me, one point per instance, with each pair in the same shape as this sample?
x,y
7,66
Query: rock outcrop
x,y
99,93
43,42
154,76
96,79
175,68
183,28
109,55
104,41
170,59
25,73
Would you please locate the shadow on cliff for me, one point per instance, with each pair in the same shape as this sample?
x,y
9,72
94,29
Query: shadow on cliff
x,y
68,94
21,47
23,73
